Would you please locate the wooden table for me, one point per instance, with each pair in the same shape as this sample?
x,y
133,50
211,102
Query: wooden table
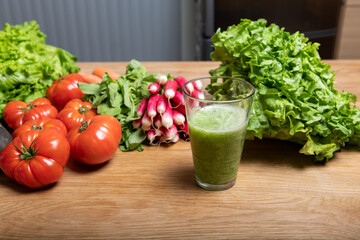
x,y
280,194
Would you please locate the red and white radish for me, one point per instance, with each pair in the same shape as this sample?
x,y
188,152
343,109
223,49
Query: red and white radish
x,y
146,121
181,81
157,121
197,85
170,132
184,128
167,119
170,88
142,107
161,80
154,88
151,136
152,104
198,94
178,117
179,98
180,108
161,105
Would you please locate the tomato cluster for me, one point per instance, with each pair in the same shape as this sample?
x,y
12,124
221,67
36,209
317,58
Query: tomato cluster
x,y
48,131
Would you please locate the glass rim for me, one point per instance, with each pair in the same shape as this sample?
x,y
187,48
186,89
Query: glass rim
x,y
251,93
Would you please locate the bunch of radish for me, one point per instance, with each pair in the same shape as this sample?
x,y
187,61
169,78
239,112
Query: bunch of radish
x,y
162,116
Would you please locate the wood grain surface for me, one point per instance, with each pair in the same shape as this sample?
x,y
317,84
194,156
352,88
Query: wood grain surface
x,y
279,194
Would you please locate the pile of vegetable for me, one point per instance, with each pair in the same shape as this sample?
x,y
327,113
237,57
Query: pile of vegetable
x,y
149,106
295,97
48,131
88,118
27,65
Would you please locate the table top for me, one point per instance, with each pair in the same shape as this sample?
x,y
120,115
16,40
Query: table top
x,y
279,194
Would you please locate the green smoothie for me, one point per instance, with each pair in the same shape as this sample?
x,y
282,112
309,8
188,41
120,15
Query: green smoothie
x,y
217,135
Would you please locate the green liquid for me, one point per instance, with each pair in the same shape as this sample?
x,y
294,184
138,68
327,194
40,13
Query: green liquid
x,y
217,135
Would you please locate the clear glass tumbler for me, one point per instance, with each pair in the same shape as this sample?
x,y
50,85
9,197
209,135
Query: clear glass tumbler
x,y
217,110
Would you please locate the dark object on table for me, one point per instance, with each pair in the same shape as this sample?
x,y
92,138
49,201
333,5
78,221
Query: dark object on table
x,y
5,137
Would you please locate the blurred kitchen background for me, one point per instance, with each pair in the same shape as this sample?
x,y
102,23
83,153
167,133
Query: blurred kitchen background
x,y
179,30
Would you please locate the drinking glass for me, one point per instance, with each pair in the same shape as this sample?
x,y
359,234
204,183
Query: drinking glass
x,y
217,110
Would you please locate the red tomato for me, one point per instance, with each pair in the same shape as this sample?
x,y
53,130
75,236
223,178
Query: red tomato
x,y
18,112
75,112
36,158
96,141
64,89
40,125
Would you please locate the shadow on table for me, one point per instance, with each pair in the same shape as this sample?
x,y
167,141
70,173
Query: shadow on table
x,y
6,182
84,168
276,152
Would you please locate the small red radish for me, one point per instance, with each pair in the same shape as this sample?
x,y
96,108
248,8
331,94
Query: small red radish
x,y
176,138
137,123
167,119
161,80
170,88
161,105
157,121
184,128
146,121
179,98
170,133
178,117
181,81
197,85
198,94
142,107
180,108
152,104
154,88
151,136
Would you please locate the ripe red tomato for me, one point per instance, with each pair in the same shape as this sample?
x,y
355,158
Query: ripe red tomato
x,y
41,125
18,112
96,141
64,89
75,111
36,158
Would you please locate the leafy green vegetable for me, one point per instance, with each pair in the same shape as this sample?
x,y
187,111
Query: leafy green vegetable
x,y
295,98
27,65
121,100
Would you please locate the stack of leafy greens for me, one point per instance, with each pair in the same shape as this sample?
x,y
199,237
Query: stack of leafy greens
x,y
295,98
121,99
27,65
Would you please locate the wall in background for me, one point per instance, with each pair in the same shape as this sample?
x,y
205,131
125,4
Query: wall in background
x,y
111,30
349,40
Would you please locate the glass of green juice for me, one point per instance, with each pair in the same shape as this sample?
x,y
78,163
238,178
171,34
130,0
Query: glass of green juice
x,y
217,113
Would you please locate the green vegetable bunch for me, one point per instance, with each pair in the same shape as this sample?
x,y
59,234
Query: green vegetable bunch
x,y
121,99
295,98
27,65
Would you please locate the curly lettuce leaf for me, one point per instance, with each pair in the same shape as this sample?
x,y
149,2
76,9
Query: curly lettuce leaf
x,y
295,98
27,65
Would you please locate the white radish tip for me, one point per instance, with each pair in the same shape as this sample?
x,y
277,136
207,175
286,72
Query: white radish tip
x,y
162,79
151,113
170,93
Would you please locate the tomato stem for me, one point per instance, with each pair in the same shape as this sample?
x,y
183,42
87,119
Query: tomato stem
x,y
83,109
27,153
84,125
28,107
34,127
